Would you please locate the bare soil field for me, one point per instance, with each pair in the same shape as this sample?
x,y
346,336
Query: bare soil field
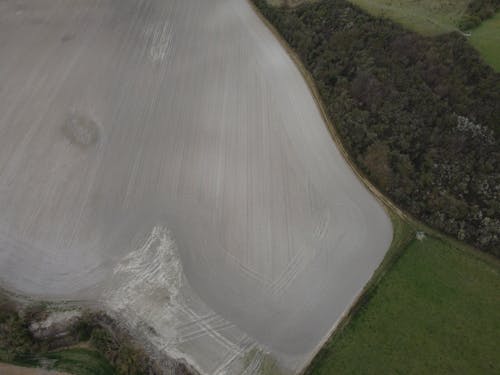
x,y
167,159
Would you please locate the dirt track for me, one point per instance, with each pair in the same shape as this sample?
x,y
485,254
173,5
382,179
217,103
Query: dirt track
x,y
167,158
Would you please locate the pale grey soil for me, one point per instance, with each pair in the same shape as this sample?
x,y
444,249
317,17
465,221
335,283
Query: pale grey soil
x,y
120,116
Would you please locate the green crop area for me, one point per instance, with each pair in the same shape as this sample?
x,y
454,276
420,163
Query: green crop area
x,y
78,361
486,39
428,17
81,362
436,311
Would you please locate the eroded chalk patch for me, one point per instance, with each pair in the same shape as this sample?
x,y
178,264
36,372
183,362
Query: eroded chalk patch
x,y
81,130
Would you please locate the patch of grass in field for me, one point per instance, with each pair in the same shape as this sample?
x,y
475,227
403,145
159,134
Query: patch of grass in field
x,y
81,362
486,39
436,310
78,361
428,17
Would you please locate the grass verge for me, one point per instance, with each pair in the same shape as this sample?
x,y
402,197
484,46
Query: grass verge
x,y
78,361
81,362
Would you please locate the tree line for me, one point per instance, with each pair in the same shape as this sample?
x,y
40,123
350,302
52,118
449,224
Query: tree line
x,y
477,12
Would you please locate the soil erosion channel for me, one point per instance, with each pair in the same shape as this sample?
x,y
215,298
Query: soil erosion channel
x,y
166,157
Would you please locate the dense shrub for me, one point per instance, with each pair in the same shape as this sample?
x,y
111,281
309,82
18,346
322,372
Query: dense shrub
x,y
419,115
15,337
478,11
19,345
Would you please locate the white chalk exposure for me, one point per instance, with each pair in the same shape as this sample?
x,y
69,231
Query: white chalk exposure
x,y
149,291
151,274
187,116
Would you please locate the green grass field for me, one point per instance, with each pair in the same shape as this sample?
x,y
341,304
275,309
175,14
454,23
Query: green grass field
x,y
77,361
486,39
435,311
431,17
428,17
80,362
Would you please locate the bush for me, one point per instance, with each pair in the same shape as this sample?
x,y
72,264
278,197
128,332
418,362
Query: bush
x,y
469,22
15,337
477,12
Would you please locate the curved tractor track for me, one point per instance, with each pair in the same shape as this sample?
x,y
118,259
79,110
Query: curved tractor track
x,y
166,158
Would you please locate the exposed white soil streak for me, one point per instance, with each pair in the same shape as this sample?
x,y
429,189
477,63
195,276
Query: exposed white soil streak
x,y
166,158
